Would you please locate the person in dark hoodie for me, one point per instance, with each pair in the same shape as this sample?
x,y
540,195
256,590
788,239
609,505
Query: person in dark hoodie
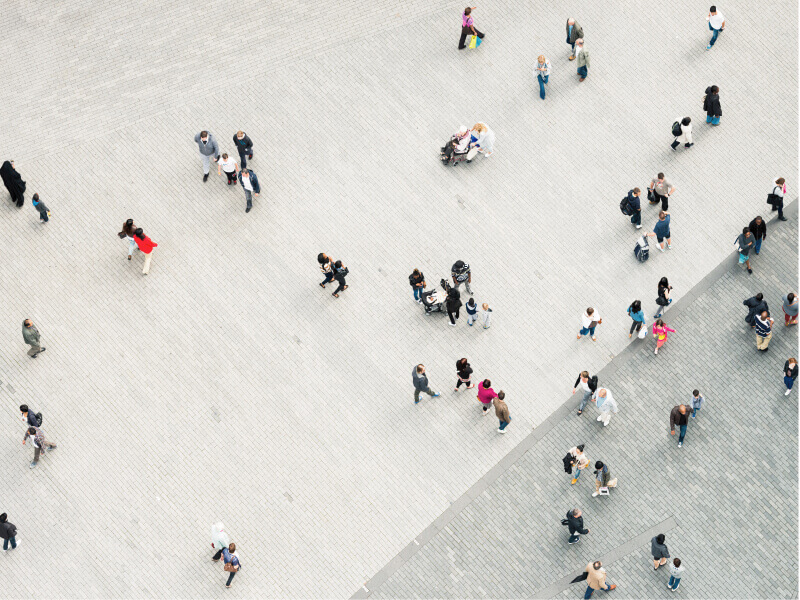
x,y
453,305
635,206
659,551
244,145
30,417
756,306
712,106
758,228
8,531
464,371
575,523
13,182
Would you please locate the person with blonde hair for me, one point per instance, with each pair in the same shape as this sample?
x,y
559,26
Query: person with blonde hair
x,y
483,139
542,72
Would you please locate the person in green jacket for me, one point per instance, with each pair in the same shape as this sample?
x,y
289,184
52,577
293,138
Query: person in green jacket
x,y
31,336
583,59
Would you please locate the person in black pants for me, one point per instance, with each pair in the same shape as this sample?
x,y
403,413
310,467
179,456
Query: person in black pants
x,y
453,305
339,272
244,145
464,371
575,523
13,182
467,28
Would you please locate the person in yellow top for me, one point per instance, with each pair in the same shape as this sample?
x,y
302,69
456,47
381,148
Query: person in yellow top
x,y
579,461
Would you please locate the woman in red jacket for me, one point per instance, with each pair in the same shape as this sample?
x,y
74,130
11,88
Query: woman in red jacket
x,y
146,245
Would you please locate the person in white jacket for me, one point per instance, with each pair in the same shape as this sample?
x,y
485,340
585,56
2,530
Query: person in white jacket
x,y
686,133
219,540
605,404
485,139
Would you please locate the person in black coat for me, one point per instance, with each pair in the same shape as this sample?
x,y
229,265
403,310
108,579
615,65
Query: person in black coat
x,y
575,524
712,106
8,531
244,145
789,374
757,305
13,182
464,371
453,305
758,227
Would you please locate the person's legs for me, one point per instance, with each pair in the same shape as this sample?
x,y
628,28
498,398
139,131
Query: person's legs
x,y
43,216
465,31
541,85
636,217
708,118
217,554
131,247
328,279
606,417
759,342
503,425
767,340
417,293
249,199
588,593
242,159
788,382
429,391
5,544
416,396
664,203
583,72
147,260
758,245
206,163
586,397
780,211
635,326
341,286
230,578
682,434
452,316
591,331
715,120
675,583
466,286
714,36
34,350
37,452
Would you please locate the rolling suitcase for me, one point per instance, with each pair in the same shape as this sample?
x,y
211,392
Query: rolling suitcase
x,y
642,249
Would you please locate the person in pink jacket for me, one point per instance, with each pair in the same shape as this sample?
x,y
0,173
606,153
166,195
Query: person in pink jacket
x,y
660,332
486,395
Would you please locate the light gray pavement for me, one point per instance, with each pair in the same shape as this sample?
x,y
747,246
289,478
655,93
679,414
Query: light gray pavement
x,y
227,385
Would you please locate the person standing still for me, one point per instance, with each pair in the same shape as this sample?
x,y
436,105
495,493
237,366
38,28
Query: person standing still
x,y
744,243
789,374
659,551
583,59
775,197
663,301
575,524
659,191
712,105
146,245
339,273
219,540
31,336
602,478
661,231
486,315
579,461
417,281
596,579
467,27
13,182
789,307
696,402
208,148
251,187
232,564
574,33
40,444
589,322
676,570
501,411
472,311
759,230
244,146
588,385
453,304
635,205
421,383
41,208
542,72
461,273
764,325
126,234
685,134
679,415
8,531
755,305
716,23
464,371
486,395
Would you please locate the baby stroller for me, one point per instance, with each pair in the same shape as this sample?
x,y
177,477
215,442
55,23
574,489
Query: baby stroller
x,y
434,300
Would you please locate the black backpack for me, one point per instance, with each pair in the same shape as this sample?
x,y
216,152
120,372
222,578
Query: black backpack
x,y
625,207
567,463
676,129
39,419
593,382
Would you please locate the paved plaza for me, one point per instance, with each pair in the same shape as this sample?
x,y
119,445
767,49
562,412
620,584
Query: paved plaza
x,y
226,385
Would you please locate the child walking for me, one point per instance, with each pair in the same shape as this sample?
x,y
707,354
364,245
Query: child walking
x,y
697,403
660,332
44,213
472,311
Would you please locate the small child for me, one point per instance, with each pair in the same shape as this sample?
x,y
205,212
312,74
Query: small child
x,y
697,403
472,311
487,314
44,214
229,166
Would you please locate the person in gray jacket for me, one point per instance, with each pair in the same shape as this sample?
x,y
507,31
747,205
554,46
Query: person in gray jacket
x,y
659,551
421,383
31,336
208,148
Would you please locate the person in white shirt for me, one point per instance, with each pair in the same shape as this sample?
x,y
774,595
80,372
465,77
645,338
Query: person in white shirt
x,y
605,404
716,23
485,139
229,166
686,133
589,321
777,192
542,72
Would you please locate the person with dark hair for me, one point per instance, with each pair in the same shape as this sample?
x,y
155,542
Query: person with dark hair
x,y
661,230
464,371
764,325
676,570
596,579
589,322
636,313
579,461
679,415
232,564
744,243
789,307
759,230
574,33
421,383
712,106
8,531
663,300
30,417
453,305
229,166
128,228
250,185
472,311
326,266
244,146
501,411
41,208
417,281
659,551
635,206
339,273
575,525
467,27
696,402
716,23
775,197
31,336
40,444
146,245
461,273
756,305
659,191
661,332
602,479
588,385
208,148
13,182
685,135
486,395
789,374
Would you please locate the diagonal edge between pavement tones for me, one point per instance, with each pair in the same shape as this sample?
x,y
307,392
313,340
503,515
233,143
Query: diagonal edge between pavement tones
x,y
532,439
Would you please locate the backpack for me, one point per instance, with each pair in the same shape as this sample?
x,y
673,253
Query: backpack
x,y
567,460
625,207
39,419
593,382
676,129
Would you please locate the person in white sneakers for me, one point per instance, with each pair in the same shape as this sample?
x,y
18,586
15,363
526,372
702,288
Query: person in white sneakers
x,y
602,479
487,315
686,133
605,404
789,374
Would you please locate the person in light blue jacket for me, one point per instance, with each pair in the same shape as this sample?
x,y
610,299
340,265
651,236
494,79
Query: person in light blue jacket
x,y
635,312
697,403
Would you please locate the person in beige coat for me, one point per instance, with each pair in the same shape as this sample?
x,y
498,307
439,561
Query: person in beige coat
x,y
501,410
574,33
596,579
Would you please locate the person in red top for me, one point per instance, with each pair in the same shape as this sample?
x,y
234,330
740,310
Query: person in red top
x,y
146,245
486,395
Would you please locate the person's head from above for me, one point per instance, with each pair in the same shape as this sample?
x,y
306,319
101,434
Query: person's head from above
x,y
501,394
232,547
660,538
792,362
686,120
338,264
224,156
570,21
240,134
467,10
203,136
597,564
746,232
487,384
682,409
3,518
322,258
714,89
585,375
458,265
479,127
580,447
758,220
636,306
779,180
636,191
32,430
602,393
590,311
139,233
764,316
542,59
485,306
713,10
463,130
23,409
245,173
599,465
27,323
677,562
416,273
662,215
660,177
663,282
420,369
790,298
36,197
576,512
759,296
579,42
696,393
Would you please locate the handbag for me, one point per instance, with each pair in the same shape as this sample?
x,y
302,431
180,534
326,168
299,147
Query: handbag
x,y
642,333
230,568
473,43
773,199
593,324
650,196
564,521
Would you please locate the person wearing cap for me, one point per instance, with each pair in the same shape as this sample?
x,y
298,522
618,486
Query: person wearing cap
x,y
461,273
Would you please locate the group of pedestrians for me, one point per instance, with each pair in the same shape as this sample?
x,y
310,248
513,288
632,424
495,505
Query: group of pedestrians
x,y
16,188
225,550
759,319
137,239
209,150
333,270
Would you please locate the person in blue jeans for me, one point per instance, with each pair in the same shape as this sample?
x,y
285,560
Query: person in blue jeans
x,y
675,573
542,73
697,403
589,321
759,230
636,313
789,374
712,106
230,558
417,281
716,23
596,580
8,531
679,416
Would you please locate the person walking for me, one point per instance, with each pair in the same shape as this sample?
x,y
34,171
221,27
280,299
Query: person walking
x,y
663,301
40,443
588,385
30,417
636,314
789,374
661,231
417,281
759,230
232,564
486,395
229,166
716,23
249,183
41,208
605,404
542,72
589,322
13,182
208,148
696,402
482,138
468,27
596,579
602,479
635,206
764,325
421,384
464,371
486,315
339,274
326,266
712,106
461,273
575,524
219,540
244,146
128,227
775,197
679,415
756,305
453,304
744,243
574,33
659,191
472,311
676,570
659,551
583,59
8,531
789,307
578,461
146,245
501,411
661,332
682,130
31,336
